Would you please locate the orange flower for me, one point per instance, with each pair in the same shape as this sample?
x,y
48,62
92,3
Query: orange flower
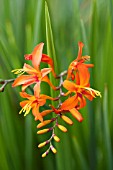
x,y
44,58
35,75
81,92
79,66
34,102
69,105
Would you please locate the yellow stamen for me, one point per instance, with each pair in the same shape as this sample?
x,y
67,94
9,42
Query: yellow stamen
x,y
26,108
18,71
86,58
96,92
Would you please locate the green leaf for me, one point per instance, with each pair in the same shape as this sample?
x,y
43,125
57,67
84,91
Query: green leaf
x,y
106,137
51,49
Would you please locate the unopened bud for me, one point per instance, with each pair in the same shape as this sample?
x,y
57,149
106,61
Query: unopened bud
x,y
53,149
56,138
67,119
44,154
44,123
62,128
42,131
41,144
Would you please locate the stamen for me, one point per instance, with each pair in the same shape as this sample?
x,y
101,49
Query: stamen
x,y
18,71
96,92
26,108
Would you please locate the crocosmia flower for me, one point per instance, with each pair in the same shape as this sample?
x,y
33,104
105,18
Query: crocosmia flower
x,y
79,66
81,92
34,74
44,58
34,102
69,105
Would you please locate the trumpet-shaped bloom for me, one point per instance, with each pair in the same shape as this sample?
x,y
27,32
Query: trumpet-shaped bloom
x,y
69,105
44,58
34,102
79,66
81,92
34,74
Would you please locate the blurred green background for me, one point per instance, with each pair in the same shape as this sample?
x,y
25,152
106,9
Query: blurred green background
x,y
23,24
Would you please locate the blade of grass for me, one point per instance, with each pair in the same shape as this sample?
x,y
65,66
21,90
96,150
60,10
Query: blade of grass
x,y
51,48
28,143
37,22
80,157
107,140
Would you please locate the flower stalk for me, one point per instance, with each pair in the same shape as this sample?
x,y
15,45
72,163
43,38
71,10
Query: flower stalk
x,y
4,83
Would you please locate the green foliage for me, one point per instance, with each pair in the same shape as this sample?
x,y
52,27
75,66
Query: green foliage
x,y
25,23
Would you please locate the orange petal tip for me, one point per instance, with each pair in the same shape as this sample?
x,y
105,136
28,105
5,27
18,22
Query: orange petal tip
x,y
80,44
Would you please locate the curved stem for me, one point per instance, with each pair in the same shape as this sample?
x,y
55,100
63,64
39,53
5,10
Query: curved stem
x,y
4,83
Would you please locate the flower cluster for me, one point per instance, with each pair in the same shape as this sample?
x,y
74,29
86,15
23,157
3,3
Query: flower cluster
x,y
76,81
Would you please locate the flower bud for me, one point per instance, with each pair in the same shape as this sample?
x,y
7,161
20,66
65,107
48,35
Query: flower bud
x,y
62,128
56,138
53,149
42,131
44,123
41,144
67,119
44,154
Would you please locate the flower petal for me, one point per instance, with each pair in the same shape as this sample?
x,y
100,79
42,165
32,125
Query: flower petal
x,y
69,72
37,55
48,60
45,71
69,85
69,103
25,95
80,44
37,114
88,95
43,96
30,70
89,65
84,74
46,79
82,101
76,114
23,103
28,56
37,89
24,79
77,78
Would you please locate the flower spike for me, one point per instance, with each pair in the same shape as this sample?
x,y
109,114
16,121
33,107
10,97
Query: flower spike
x,y
77,92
